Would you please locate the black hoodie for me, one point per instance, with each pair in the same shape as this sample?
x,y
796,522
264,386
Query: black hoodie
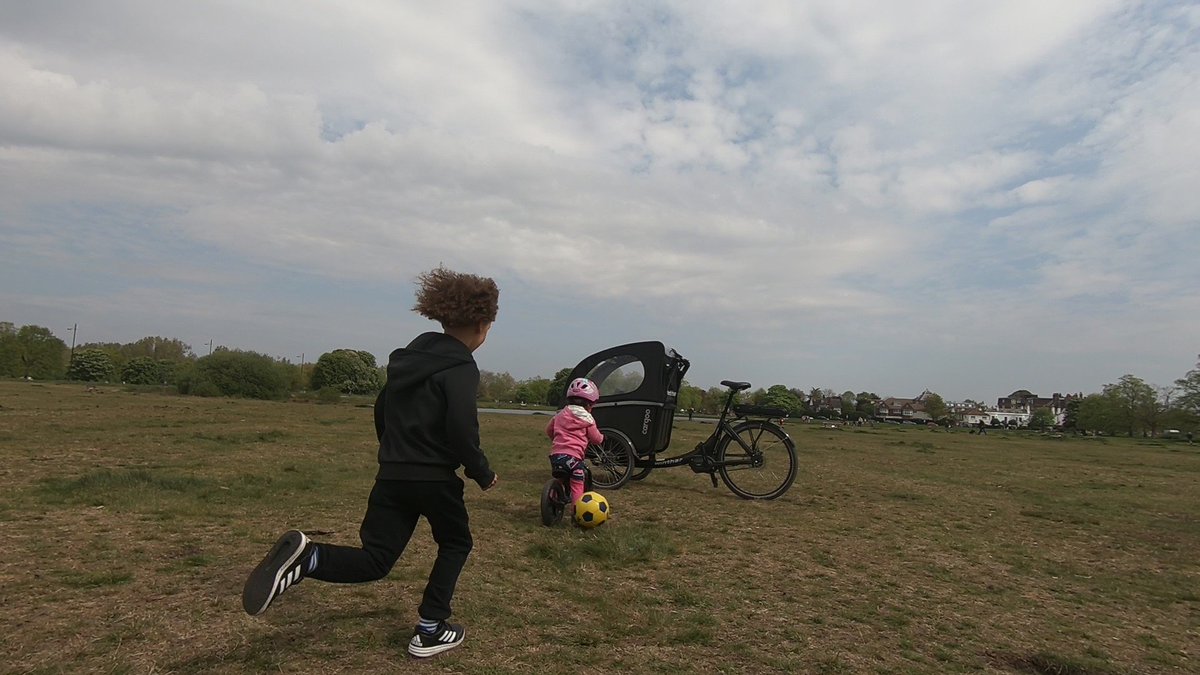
x,y
425,417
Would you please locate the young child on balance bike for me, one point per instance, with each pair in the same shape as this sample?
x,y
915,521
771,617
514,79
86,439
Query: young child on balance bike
x,y
571,431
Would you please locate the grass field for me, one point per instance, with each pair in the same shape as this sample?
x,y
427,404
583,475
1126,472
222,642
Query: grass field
x,y
128,523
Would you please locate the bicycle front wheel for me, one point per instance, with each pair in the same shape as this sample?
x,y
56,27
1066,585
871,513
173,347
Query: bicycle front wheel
x,y
758,462
612,460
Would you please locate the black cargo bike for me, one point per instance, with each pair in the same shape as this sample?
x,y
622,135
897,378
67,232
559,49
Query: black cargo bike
x,y
639,385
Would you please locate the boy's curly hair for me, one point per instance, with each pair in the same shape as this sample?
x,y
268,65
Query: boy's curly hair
x,y
455,299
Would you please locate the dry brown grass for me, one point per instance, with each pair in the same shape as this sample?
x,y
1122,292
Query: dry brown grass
x,y
129,521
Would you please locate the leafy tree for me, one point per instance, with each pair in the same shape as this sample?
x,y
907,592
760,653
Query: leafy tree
x,y
1157,409
935,406
849,404
802,397
114,350
159,348
535,390
1132,399
866,403
1071,415
91,365
779,396
299,376
350,371
1097,412
10,357
556,390
815,398
143,370
30,351
1188,398
1041,418
713,400
689,397
1177,418
167,370
496,386
229,372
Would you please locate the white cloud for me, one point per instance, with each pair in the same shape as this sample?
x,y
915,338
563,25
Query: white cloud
x,y
844,168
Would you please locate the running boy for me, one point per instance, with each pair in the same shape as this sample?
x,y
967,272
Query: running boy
x,y
571,430
427,425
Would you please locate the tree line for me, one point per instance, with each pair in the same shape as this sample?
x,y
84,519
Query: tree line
x,y
34,352
1132,407
1129,406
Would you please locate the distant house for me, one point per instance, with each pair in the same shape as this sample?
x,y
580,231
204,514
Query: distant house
x,y
971,417
894,409
1018,418
954,408
1025,402
827,404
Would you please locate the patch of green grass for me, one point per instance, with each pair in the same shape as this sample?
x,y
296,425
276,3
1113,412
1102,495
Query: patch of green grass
x,y
609,547
126,486
269,436
168,494
694,635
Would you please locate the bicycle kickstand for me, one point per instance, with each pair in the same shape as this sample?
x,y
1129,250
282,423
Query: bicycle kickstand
x,y
712,475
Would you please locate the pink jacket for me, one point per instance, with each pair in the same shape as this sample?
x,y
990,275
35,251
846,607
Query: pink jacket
x,y
571,430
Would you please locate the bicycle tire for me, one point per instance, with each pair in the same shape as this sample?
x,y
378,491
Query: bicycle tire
x,y
611,461
553,502
765,478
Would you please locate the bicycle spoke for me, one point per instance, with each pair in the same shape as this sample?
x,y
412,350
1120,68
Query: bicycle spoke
x,y
760,463
612,461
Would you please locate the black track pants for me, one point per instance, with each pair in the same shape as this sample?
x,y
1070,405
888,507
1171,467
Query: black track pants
x,y
392,513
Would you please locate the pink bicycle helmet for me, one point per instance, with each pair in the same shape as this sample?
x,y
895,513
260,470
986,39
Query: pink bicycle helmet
x,y
583,388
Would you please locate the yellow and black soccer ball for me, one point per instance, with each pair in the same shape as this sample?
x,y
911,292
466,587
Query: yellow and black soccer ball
x,y
591,510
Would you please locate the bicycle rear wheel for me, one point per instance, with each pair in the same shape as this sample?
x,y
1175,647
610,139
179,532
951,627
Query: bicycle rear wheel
x,y
612,460
766,470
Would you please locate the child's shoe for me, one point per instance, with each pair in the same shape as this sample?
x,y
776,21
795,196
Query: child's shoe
x,y
446,636
279,570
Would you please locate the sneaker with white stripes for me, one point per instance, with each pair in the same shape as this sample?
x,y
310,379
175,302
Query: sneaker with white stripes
x,y
281,569
445,636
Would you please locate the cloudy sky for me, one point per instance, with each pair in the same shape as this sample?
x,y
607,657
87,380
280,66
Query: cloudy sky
x,y
970,198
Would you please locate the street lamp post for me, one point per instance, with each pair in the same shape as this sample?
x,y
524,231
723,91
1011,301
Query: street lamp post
x,y
74,330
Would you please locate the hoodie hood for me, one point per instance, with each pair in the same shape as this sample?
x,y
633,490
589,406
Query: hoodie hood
x,y
576,417
428,354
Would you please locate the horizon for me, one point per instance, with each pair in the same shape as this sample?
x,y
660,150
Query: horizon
x,y
381,362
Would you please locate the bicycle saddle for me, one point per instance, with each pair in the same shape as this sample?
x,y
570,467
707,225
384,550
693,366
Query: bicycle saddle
x,y
736,386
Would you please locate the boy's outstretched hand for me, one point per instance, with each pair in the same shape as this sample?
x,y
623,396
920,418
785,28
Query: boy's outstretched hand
x,y
495,479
